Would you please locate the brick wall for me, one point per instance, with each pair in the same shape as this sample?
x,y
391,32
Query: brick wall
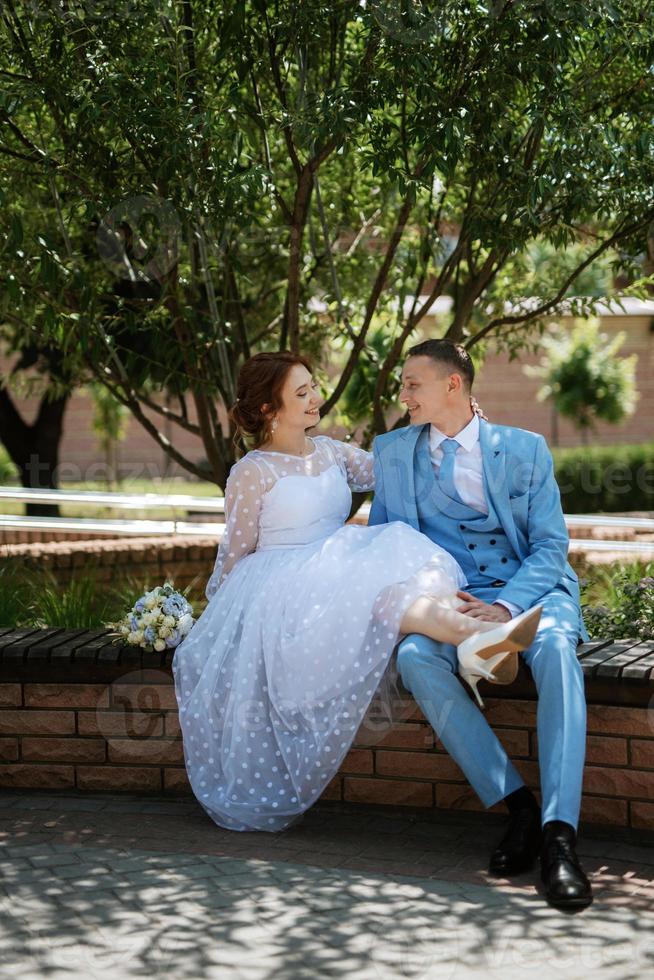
x,y
508,395
10,535
410,767
149,560
77,712
182,558
122,737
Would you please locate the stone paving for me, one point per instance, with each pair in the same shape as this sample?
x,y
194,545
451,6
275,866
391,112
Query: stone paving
x,y
126,886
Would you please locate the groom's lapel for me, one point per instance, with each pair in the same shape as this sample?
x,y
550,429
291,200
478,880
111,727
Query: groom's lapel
x,y
405,471
494,464
493,454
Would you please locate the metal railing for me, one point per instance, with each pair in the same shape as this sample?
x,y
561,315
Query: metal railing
x,y
186,503
121,501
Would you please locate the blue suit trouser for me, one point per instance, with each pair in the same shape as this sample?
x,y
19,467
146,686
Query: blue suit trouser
x,y
428,670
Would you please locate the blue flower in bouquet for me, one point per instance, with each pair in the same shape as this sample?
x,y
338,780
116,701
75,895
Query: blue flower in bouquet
x,y
149,634
173,639
175,605
139,605
133,622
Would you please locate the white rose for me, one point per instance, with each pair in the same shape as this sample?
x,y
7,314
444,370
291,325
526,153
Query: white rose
x,y
132,637
185,623
169,621
150,602
138,636
159,645
164,631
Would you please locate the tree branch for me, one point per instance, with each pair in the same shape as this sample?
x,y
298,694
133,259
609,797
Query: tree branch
x,y
377,289
286,211
281,94
135,408
473,289
547,307
180,420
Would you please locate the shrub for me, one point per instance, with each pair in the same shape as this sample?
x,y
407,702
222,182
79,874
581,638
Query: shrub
x,y
619,603
606,478
14,596
585,378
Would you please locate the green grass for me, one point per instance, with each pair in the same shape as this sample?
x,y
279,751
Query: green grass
x,y
80,604
31,597
14,596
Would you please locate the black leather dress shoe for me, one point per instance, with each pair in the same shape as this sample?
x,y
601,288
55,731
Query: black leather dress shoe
x,y
519,847
566,885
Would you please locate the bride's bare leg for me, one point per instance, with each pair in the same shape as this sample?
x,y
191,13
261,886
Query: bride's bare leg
x,y
436,616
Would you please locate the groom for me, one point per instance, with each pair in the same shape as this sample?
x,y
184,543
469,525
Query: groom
x,y
487,494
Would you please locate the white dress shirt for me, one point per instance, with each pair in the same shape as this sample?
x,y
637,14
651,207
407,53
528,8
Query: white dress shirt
x,y
468,472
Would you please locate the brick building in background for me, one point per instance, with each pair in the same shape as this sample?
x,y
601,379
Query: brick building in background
x,y
505,392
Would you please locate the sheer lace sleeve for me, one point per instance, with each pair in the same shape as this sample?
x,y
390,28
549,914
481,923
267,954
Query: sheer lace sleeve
x,y
357,465
243,495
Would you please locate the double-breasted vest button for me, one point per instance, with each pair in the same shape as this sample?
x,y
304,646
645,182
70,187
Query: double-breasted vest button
x,y
472,547
482,568
504,561
493,541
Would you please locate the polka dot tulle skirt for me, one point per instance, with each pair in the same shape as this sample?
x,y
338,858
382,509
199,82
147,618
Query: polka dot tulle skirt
x,y
275,678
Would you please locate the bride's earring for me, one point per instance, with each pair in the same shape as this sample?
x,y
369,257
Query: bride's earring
x,y
274,425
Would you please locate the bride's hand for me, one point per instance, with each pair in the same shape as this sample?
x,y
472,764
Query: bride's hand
x,y
474,405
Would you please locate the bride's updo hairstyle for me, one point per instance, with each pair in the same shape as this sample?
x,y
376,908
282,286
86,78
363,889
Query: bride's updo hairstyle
x,y
260,382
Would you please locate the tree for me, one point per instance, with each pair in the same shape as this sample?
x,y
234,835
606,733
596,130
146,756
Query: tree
x,y
182,178
585,378
34,447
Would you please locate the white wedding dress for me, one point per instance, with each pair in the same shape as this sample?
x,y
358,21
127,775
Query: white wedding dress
x,y
304,612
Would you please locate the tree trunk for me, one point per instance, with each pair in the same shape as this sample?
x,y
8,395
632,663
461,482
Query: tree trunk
x,y
34,449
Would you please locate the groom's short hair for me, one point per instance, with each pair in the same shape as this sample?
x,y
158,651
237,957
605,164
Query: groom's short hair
x,y
450,355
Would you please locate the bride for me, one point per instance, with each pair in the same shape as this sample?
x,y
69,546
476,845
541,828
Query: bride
x,y
304,612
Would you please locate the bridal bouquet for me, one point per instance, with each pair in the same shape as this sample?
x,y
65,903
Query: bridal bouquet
x,y
159,620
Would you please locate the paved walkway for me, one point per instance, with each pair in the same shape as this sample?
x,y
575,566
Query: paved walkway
x,y
128,886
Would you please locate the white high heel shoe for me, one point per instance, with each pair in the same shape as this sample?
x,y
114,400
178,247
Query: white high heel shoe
x,y
483,654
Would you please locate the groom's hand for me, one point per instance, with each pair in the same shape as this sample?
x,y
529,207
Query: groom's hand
x,y
482,610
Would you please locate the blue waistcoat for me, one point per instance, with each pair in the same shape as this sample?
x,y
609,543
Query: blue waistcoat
x,y
476,540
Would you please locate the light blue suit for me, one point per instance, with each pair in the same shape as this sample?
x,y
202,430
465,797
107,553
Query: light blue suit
x,y
524,560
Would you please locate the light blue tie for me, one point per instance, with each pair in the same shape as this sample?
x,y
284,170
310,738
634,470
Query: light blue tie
x,y
446,470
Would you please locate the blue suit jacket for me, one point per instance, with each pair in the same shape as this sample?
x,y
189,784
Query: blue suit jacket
x,y
518,478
